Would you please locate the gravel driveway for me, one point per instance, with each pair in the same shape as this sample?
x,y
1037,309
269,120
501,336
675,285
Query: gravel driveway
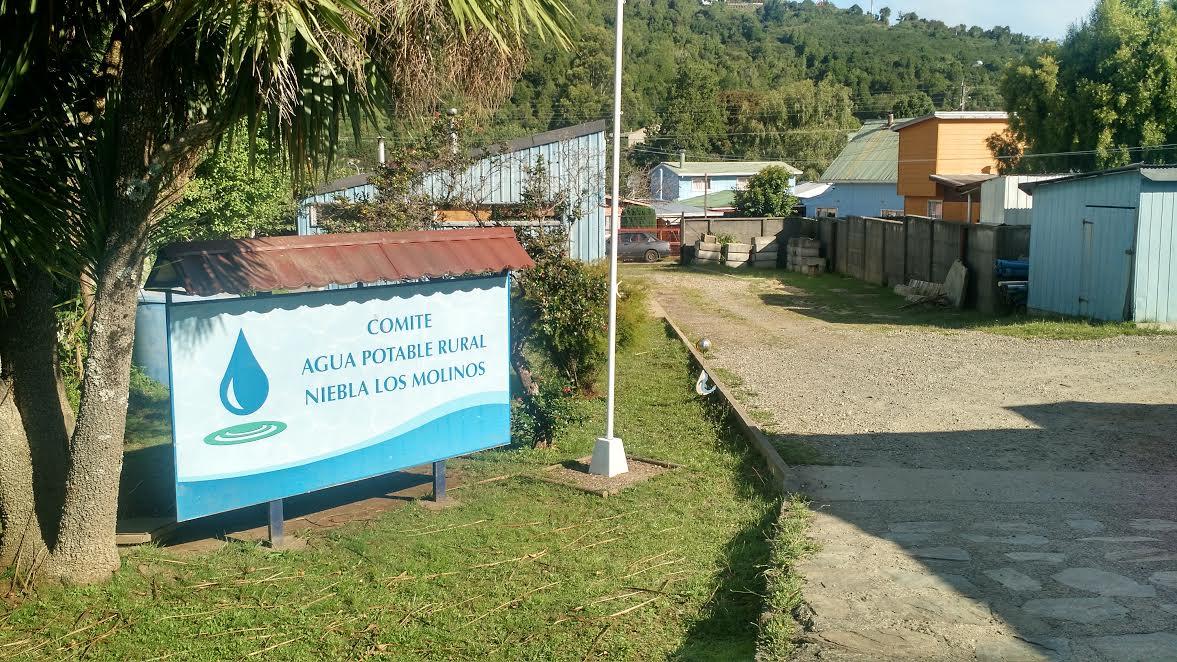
x,y
986,497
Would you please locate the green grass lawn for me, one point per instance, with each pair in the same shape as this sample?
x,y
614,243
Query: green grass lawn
x,y
520,570
841,299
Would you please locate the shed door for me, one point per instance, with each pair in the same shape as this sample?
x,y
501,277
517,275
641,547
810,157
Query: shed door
x,y
1105,274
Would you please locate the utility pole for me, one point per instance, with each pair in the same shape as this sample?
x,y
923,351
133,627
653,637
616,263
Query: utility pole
x,y
609,453
964,95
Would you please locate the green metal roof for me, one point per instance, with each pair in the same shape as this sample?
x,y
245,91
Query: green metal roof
x,y
871,156
717,199
728,168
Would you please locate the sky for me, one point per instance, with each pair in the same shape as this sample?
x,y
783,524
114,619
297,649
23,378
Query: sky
x,y
1040,18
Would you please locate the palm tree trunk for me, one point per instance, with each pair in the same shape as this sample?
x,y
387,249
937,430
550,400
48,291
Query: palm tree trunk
x,y
85,550
21,542
35,424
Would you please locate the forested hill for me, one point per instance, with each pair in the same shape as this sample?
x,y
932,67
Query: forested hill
x,y
783,80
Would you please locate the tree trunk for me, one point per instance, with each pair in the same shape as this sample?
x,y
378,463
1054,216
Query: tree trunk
x,y
21,542
85,550
35,424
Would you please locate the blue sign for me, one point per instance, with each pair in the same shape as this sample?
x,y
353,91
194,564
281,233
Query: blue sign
x,y
282,395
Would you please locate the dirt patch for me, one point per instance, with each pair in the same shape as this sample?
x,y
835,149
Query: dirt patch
x,y
575,474
865,390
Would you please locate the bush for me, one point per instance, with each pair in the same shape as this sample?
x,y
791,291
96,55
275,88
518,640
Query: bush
x,y
638,216
541,417
562,307
768,194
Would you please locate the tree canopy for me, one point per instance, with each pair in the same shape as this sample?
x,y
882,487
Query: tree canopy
x,y
768,194
1108,91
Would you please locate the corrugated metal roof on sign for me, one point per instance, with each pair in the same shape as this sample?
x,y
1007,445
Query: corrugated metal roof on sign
x,y
242,266
871,156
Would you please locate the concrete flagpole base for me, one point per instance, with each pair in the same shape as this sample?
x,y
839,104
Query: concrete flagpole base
x,y
608,458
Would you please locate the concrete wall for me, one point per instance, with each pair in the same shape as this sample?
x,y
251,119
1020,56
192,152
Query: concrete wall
x,y
889,251
894,251
918,242
742,229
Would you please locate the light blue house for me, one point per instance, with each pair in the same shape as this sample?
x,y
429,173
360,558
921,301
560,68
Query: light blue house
x,y
1103,245
690,179
862,179
573,162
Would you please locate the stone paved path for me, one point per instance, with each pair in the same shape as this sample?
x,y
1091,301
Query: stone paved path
x,y
991,499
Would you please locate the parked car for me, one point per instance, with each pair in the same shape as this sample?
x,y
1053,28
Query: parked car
x,y
642,246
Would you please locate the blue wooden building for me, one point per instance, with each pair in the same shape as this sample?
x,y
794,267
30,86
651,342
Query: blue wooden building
x,y
573,162
862,179
1103,245
690,179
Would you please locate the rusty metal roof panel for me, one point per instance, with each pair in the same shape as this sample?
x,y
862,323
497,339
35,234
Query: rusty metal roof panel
x,y
241,266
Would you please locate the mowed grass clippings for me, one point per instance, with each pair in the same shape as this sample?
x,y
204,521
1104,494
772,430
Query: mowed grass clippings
x,y
520,570
843,300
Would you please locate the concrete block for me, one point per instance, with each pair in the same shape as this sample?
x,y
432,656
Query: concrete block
x,y
712,256
763,243
707,246
710,239
737,248
736,264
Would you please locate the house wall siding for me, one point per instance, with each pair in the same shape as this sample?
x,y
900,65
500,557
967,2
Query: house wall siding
x,y
855,199
575,168
1155,278
917,160
1057,242
962,149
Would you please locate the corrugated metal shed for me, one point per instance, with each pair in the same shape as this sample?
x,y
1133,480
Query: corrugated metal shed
x,y
574,162
1104,245
241,266
573,159
1004,202
871,156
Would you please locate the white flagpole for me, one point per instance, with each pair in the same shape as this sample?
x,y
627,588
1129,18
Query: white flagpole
x,y
609,452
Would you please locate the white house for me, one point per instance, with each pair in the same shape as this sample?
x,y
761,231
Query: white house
x,y
690,179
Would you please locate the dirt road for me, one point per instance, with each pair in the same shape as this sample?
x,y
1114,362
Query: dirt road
x,y
986,497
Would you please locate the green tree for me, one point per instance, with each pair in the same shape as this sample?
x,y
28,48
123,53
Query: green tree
x,y
638,216
768,194
230,198
115,104
803,123
691,117
1108,89
916,104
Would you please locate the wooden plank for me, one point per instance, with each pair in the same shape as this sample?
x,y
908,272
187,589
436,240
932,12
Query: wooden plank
x,y
143,530
786,482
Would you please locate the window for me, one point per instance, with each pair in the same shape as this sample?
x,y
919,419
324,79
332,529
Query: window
x,y
827,212
935,209
742,183
313,216
891,213
697,185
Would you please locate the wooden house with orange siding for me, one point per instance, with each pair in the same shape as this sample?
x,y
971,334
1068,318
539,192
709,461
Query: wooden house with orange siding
x,y
943,155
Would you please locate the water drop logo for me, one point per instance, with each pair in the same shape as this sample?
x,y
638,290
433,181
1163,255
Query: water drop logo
x,y
244,389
